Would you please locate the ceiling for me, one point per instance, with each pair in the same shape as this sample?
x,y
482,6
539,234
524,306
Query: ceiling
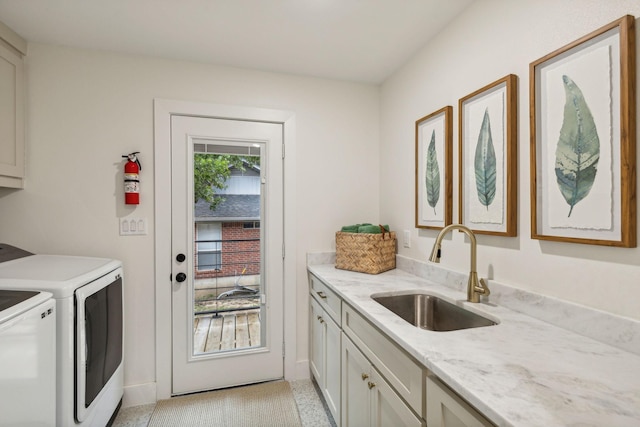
x,y
355,40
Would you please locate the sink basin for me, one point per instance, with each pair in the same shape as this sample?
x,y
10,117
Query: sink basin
x,y
431,312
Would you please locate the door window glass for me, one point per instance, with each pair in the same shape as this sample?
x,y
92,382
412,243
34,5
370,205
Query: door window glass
x,y
227,276
208,246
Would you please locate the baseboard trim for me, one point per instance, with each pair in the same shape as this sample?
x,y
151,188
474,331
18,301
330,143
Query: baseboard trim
x,y
139,394
302,370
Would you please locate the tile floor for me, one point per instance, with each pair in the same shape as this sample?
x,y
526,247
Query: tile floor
x,y
311,407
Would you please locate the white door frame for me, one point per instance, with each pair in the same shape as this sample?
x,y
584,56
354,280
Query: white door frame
x,y
163,109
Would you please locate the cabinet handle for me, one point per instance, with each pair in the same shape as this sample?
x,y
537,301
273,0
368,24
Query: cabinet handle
x,y
321,295
364,377
319,317
371,385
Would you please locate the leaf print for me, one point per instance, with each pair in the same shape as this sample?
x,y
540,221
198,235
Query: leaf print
x,y
432,178
578,149
485,163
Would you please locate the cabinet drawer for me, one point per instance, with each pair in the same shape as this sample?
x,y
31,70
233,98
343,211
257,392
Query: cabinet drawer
x,y
402,372
328,300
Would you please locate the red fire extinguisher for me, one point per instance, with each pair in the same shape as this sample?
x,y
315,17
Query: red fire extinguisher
x,y
131,179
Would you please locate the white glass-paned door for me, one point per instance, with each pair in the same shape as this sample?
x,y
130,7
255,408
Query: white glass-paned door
x,y
227,277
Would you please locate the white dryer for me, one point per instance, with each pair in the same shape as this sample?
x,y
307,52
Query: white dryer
x,y
27,359
88,294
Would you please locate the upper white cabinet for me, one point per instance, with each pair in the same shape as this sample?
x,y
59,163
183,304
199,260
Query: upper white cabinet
x,y
12,107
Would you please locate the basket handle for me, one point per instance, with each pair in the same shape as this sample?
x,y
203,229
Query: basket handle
x,y
383,231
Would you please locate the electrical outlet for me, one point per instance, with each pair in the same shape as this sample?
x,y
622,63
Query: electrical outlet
x,y
133,226
407,239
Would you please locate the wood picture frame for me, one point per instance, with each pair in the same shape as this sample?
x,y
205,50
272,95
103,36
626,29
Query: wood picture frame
x,y
487,158
583,139
434,169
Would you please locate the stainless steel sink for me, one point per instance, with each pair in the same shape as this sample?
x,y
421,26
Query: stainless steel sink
x,y
431,312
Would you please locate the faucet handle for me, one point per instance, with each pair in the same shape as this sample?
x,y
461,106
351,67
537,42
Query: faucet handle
x,y
483,288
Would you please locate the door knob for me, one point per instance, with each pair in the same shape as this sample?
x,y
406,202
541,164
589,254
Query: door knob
x,y
364,377
371,385
181,277
180,257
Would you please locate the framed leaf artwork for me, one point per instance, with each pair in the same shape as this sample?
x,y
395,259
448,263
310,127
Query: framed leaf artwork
x,y
434,183
488,150
583,139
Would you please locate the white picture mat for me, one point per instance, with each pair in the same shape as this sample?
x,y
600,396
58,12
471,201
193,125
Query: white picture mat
x,y
474,214
600,216
428,215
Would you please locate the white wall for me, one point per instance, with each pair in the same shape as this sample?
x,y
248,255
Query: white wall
x,y
87,108
486,42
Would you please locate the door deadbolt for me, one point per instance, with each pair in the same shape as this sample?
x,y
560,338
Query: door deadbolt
x,y
180,257
181,277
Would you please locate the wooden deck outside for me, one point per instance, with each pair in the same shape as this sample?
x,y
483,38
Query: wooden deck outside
x,y
227,331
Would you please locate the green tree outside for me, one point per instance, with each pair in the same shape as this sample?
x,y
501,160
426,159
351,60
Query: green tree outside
x,y
211,172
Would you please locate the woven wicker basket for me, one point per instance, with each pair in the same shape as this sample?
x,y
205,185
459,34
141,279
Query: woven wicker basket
x,y
366,253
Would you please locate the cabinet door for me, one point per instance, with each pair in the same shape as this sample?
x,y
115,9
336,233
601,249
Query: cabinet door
x,y
447,409
324,356
388,410
316,343
356,373
399,370
11,118
332,358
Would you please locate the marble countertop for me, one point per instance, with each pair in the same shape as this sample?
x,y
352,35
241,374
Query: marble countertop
x,y
521,372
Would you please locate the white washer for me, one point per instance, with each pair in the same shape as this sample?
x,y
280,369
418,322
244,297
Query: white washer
x,y
27,359
88,293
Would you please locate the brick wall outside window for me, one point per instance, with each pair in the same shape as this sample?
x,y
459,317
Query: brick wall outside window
x,y
237,255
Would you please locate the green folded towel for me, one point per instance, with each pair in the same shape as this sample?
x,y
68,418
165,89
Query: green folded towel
x,y
364,228
373,229
353,228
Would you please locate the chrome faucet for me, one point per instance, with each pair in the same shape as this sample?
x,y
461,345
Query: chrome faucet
x,y
475,286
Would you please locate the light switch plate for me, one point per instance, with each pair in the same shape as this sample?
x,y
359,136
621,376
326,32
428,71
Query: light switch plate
x,y
407,239
133,226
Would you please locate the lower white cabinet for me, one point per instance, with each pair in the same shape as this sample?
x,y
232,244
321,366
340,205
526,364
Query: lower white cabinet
x,y
367,380
325,356
404,374
356,401
367,399
447,409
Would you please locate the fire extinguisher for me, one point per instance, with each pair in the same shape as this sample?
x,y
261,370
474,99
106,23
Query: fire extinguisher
x,y
131,179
